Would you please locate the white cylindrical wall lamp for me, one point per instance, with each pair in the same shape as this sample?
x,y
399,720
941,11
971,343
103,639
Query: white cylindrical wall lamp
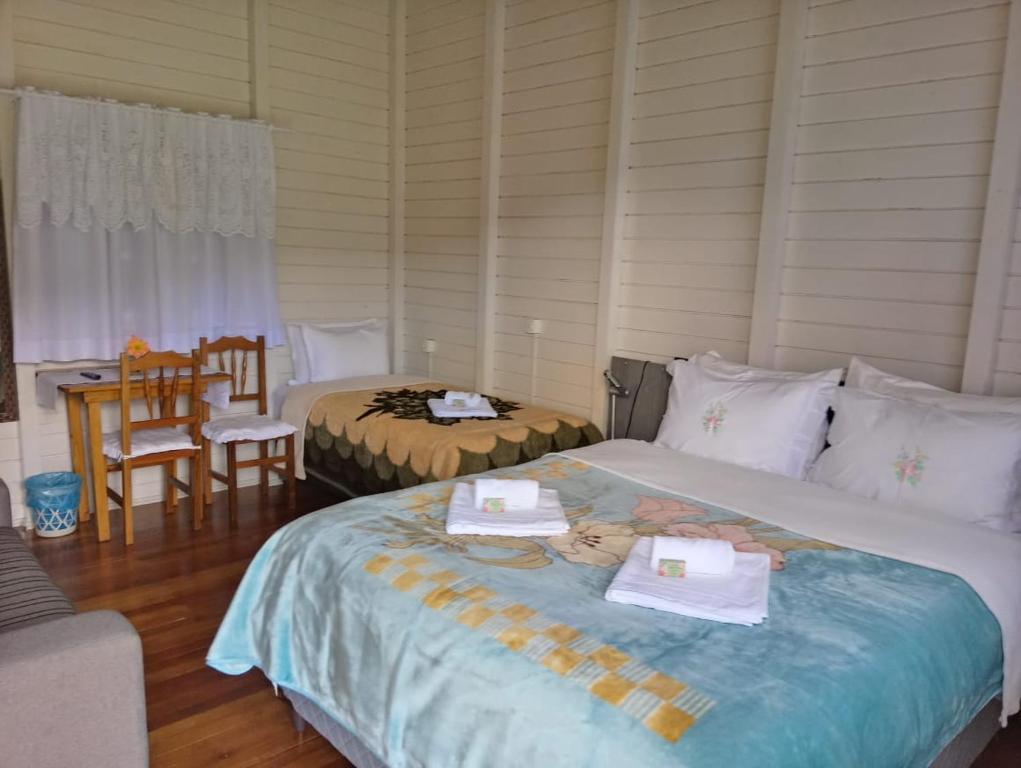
x,y
429,347
535,329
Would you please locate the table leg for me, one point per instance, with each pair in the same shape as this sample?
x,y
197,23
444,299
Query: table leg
x,y
74,429
99,470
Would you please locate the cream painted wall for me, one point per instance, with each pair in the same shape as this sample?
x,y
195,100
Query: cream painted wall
x,y
790,180
877,179
318,67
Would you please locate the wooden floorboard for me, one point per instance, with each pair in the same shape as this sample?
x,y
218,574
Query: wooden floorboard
x,y
174,586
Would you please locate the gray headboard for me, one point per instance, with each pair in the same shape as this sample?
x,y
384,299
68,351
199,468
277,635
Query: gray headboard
x,y
637,414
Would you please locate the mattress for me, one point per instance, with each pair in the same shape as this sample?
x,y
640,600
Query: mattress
x,y
484,651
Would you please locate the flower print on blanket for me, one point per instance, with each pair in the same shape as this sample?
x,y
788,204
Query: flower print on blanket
x,y
657,510
713,418
605,521
909,468
595,542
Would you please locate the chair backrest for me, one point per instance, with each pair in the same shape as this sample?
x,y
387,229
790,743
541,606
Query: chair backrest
x,y
158,375
231,356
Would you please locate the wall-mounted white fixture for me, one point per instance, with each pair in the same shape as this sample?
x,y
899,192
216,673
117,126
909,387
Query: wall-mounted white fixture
x,y
535,329
429,346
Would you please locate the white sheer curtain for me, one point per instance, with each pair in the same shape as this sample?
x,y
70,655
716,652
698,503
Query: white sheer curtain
x,y
133,221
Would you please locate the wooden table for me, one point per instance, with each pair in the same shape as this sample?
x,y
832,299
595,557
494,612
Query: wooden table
x,y
92,395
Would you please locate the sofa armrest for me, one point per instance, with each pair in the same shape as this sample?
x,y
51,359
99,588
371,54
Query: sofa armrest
x,y
72,692
6,516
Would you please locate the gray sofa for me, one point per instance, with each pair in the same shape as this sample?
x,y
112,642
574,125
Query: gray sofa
x,y
72,691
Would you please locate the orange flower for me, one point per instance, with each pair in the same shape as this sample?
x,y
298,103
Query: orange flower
x,y
136,347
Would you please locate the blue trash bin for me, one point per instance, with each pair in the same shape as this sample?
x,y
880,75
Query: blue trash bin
x,y
53,498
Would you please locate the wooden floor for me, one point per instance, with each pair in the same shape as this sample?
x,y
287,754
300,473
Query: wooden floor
x,y
174,585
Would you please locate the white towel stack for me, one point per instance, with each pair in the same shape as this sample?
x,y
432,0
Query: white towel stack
x,y
462,405
546,518
741,597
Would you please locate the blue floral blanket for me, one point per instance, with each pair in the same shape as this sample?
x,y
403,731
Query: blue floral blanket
x,y
473,651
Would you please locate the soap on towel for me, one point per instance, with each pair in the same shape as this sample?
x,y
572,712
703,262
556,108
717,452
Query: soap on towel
x,y
708,557
466,399
516,494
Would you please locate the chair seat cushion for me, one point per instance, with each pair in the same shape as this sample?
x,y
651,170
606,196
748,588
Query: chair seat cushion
x,y
27,596
147,441
246,426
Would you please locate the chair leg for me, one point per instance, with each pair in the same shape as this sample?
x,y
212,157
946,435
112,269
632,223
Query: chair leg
x,y
170,474
197,486
129,512
264,470
292,483
207,474
232,482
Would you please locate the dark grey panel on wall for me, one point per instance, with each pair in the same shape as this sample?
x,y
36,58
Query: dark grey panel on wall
x,y
638,414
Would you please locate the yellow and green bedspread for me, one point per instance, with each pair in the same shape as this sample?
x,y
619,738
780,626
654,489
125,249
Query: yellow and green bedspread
x,y
378,440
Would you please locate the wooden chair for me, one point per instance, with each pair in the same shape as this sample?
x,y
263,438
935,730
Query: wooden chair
x,y
157,440
232,355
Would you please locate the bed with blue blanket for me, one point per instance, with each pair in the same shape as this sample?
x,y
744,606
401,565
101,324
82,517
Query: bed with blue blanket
x,y
437,650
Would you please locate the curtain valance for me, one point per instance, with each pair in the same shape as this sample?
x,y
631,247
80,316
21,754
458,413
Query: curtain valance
x,y
97,163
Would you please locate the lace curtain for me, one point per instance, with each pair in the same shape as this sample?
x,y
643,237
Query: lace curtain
x,y
134,221
95,162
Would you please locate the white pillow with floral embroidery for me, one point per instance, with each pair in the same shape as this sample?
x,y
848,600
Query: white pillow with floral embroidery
x,y
763,422
964,465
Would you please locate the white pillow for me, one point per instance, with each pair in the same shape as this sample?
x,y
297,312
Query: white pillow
x,y
765,420
343,353
299,355
816,418
861,375
964,465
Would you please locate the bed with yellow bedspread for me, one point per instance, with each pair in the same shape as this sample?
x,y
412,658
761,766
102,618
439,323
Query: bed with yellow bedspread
x,y
383,438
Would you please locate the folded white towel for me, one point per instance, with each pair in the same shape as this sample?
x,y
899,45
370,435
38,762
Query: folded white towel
x,y
464,399
709,557
740,598
547,519
442,410
516,494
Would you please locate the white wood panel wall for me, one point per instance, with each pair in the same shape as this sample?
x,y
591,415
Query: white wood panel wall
x,y
558,60
894,121
443,99
700,126
1007,379
324,73
897,117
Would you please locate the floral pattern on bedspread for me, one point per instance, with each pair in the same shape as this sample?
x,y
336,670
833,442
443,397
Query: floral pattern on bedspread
x,y
591,541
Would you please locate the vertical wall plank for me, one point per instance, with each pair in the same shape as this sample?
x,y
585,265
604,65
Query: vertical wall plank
x,y
619,139
779,177
492,99
7,115
998,222
398,21
258,58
